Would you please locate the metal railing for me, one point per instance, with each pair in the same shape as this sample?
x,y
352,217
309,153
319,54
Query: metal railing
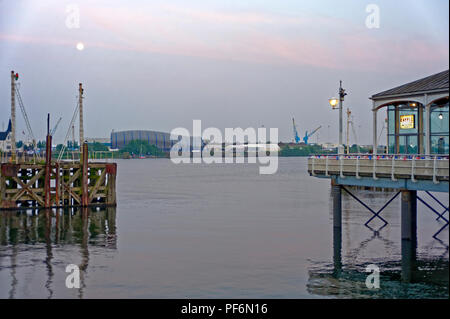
x,y
20,157
381,164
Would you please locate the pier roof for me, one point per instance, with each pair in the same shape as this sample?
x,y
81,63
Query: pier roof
x,y
433,83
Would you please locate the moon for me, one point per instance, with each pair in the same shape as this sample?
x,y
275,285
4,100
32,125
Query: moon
x,y
80,46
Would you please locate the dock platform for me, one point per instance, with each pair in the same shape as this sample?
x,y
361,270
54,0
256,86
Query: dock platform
x,y
404,174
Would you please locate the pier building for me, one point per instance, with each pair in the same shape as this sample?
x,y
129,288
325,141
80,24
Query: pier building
x,y
417,160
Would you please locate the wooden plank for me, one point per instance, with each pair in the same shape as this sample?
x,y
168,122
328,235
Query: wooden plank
x,y
97,185
25,188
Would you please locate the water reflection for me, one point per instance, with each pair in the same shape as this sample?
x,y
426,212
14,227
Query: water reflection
x,y
431,281
410,274
22,233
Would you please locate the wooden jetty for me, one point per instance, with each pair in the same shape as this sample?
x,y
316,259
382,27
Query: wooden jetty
x,y
53,184
26,183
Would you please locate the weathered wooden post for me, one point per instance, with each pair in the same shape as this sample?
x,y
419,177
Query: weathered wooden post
x,y
2,188
111,170
409,233
57,185
85,177
48,165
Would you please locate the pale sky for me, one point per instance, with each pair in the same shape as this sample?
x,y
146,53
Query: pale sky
x,y
161,64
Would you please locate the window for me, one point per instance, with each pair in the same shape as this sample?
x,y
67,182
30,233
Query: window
x,y
439,126
405,129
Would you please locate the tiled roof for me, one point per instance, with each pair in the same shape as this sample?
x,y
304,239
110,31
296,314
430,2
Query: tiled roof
x,y
3,135
430,83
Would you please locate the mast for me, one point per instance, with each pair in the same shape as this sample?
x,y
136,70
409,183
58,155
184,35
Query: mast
x,y
348,125
80,102
13,116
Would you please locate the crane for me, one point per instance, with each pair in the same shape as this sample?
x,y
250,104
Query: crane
x,y
25,116
55,127
354,134
63,149
307,136
296,137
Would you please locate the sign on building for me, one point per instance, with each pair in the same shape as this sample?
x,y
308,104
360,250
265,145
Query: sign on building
x,y
407,121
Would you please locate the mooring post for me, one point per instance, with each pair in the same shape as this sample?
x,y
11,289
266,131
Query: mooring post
x,y
48,165
336,191
84,179
57,185
409,233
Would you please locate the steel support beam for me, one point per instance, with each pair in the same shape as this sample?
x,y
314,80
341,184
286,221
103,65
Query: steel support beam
x,y
336,191
409,233
375,142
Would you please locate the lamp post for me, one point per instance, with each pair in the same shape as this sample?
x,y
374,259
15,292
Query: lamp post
x,y
333,102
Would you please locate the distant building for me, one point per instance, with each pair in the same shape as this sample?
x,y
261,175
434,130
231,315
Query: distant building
x,y
329,146
160,139
5,139
102,140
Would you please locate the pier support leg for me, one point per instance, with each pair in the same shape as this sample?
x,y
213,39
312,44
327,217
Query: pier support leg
x,y
48,169
409,233
84,178
336,191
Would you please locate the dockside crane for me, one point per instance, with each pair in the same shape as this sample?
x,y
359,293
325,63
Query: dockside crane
x,y
52,133
296,137
307,136
25,116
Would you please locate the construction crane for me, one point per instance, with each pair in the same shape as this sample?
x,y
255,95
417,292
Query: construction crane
x,y
63,149
25,116
55,127
296,137
356,136
307,136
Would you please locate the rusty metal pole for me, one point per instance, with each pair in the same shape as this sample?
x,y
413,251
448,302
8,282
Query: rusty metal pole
x,y
84,179
57,186
48,165
13,116
80,103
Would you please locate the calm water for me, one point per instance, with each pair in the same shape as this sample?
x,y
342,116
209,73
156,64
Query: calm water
x,y
216,231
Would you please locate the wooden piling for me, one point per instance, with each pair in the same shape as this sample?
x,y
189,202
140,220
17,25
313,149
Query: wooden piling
x,y
62,187
48,169
84,172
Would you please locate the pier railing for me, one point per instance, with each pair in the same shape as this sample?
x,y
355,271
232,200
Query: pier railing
x,y
391,166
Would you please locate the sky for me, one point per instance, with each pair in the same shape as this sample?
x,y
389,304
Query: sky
x,y
159,65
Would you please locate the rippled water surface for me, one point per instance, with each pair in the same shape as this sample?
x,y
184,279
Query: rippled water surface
x,y
218,231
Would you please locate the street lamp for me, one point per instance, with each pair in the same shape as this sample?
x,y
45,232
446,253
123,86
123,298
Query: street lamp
x,y
334,102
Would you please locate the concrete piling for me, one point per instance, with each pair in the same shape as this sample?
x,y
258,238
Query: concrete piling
x,y
336,191
408,233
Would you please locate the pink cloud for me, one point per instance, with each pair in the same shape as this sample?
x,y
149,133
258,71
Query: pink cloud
x,y
257,37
